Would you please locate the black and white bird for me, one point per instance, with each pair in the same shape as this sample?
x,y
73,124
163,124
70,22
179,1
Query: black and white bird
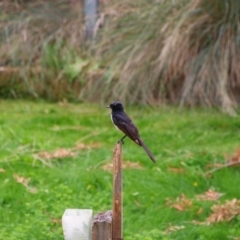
x,y
123,122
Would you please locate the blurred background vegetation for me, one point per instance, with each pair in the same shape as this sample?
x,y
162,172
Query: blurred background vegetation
x,y
158,52
149,52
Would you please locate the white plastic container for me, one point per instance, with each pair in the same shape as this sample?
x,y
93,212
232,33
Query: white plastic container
x,y
77,224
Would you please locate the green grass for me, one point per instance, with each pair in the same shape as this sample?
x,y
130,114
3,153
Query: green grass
x,y
188,139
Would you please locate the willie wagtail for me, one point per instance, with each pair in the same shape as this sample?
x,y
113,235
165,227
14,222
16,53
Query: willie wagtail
x,y
122,121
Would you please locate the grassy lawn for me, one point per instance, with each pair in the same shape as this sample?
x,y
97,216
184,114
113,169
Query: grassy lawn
x,y
160,200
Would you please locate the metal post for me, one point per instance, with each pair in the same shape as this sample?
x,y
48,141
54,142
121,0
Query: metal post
x,y
91,15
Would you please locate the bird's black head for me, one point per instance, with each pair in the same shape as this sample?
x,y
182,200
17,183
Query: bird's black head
x,y
116,106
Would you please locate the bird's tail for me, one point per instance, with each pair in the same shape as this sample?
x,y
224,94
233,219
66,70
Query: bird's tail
x,y
147,150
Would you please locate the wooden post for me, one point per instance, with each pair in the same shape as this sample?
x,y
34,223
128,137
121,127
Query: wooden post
x,y
102,226
108,225
117,193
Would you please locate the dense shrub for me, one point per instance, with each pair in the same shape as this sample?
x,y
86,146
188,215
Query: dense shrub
x,y
151,52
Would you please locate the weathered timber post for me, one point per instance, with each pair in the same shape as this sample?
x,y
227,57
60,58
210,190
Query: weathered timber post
x,y
77,223
102,226
117,193
108,225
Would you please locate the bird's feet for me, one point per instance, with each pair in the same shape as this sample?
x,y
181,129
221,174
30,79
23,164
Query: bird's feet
x,y
120,141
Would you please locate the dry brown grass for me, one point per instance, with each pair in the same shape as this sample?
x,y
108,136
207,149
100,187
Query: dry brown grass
x,y
203,54
38,39
184,53
180,52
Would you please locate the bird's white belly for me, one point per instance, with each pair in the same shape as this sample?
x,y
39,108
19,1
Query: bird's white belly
x,y
114,123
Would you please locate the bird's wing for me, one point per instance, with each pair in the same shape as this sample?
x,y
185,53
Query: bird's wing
x,y
125,124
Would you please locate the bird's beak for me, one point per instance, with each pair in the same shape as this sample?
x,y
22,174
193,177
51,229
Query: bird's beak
x,y
108,107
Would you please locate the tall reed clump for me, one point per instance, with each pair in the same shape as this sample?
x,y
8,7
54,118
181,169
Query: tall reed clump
x,y
173,51
182,52
41,43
